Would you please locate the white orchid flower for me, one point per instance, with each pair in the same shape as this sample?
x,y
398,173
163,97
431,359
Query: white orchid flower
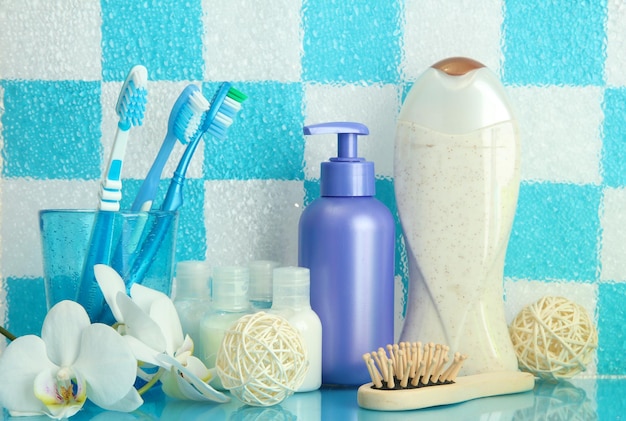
x,y
148,321
73,360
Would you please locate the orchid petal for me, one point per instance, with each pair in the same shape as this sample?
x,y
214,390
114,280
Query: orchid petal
x,y
204,391
63,393
187,346
139,324
165,315
128,403
61,331
110,283
144,296
141,351
177,386
107,364
170,386
20,364
197,367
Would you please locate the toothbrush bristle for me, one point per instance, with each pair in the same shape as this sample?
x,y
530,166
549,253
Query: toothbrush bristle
x,y
226,113
131,105
191,117
411,365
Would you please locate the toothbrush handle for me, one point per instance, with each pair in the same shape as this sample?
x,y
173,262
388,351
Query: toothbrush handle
x,y
100,243
172,202
114,168
150,184
143,259
174,196
89,294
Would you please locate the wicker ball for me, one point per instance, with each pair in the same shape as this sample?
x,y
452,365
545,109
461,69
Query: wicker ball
x,y
553,338
262,359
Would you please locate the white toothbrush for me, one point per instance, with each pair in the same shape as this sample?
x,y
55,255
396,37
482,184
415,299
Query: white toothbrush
x,y
130,107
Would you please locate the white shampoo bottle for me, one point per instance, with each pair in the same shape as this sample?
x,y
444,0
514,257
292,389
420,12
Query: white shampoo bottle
x,y
457,174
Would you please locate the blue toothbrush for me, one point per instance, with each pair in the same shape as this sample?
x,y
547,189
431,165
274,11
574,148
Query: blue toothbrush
x,y
130,108
225,106
185,120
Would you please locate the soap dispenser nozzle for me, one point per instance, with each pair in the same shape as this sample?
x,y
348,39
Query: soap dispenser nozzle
x,y
346,174
347,134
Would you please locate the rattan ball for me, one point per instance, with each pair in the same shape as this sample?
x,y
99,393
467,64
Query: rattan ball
x,y
262,359
554,338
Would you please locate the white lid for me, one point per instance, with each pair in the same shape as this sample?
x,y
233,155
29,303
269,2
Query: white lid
x,y
230,287
261,272
192,278
291,285
456,96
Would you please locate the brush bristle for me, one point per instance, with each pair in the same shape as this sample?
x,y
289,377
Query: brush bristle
x,y
226,113
411,365
131,104
191,117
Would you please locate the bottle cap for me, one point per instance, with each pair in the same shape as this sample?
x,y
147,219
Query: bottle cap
x,y
457,95
261,279
230,287
192,278
346,174
291,282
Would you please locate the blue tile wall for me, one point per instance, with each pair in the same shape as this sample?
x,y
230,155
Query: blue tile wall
x,y
265,144
351,42
554,43
166,36
614,147
554,233
51,129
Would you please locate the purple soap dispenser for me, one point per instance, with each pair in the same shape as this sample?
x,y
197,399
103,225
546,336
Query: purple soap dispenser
x,y
346,239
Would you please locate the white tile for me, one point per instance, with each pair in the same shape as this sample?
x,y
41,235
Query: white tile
x,y
252,40
616,43
560,131
51,40
252,220
375,106
520,293
613,241
19,224
435,30
145,141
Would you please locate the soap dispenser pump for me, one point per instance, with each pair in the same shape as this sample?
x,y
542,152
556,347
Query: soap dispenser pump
x,y
347,239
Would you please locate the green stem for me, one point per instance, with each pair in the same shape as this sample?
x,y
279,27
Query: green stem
x,y
7,334
152,381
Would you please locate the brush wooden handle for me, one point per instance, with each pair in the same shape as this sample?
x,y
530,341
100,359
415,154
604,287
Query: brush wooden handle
x,y
463,389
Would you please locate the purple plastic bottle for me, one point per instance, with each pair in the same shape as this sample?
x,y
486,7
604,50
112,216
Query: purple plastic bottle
x,y
346,239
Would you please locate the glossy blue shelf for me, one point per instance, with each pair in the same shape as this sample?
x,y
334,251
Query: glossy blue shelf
x,y
582,399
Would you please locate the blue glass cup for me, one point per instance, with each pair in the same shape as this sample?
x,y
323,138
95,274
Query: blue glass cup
x,y
140,246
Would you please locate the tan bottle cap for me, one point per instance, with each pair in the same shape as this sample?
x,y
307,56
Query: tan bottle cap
x,y
457,66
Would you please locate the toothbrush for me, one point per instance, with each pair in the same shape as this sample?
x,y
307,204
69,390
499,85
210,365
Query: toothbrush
x,y
130,108
225,106
184,122
411,376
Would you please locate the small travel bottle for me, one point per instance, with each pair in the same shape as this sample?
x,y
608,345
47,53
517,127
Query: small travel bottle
x,y
292,301
192,298
229,303
260,294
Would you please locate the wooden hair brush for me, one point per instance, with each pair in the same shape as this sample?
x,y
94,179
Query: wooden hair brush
x,y
411,376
